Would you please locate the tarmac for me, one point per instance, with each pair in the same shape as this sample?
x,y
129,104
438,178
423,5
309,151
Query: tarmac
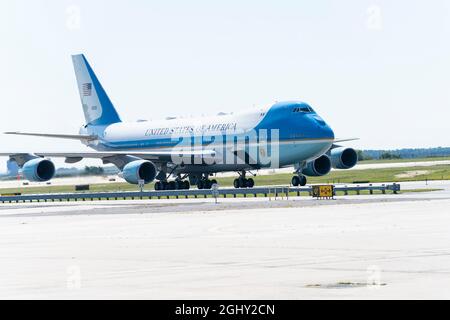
x,y
354,247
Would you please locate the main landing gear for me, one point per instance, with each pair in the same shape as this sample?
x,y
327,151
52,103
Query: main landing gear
x,y
180,183
205,183
202,181
242,182
299,180
172,185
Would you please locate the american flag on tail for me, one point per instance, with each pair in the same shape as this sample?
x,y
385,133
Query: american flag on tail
x,y
87,89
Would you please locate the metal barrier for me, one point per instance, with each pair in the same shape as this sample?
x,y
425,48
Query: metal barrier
x,y
265,191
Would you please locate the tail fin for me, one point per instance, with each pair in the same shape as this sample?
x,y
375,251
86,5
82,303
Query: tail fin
x,y
98,109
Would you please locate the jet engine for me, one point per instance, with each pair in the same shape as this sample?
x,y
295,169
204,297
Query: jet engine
x,y
319,167
38,170
343,158
139,170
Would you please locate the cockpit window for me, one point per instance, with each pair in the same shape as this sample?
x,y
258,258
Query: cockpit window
x,y
304,109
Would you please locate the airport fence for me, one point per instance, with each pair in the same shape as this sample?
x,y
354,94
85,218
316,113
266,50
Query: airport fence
x,y
178,194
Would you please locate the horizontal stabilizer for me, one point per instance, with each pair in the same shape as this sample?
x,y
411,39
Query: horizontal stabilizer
x,y
83,137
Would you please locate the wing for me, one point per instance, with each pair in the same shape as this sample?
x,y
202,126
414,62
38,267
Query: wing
x,y
81,137
117,158
334,146
345,140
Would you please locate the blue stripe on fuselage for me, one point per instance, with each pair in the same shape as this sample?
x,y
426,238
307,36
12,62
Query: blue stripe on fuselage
x,y
292,126
302,135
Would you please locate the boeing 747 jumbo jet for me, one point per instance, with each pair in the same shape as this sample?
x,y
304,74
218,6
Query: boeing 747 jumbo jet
x,y
178,153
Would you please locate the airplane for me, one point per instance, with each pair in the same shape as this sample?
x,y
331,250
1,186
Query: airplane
x,y
181,152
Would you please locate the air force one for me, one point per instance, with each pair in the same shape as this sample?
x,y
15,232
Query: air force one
x,y
180,152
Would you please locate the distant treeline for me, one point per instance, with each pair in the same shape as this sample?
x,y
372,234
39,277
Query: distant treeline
x,y
404,153
86,171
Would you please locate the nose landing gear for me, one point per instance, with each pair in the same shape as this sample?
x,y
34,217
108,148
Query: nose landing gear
x,y
243,183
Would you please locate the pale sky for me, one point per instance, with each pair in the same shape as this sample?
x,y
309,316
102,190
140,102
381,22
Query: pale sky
x,y
377,70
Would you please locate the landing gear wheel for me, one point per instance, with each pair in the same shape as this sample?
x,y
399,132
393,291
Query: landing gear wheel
x,y
242,183
200,184
165,185
250,183
172,185
207,184
303,181
296,181
158,186
179,185
186,185
213,181
236,183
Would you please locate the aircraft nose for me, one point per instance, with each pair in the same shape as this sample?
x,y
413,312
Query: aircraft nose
x,y
327,131
323,129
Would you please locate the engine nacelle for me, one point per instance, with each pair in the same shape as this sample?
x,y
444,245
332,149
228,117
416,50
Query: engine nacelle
x,y
343,158
139,170
38,170
319,167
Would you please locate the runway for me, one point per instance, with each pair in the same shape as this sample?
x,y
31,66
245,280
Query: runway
x,y
378,246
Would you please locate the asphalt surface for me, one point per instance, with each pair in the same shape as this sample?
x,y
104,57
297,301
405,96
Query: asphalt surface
x,y
378,246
